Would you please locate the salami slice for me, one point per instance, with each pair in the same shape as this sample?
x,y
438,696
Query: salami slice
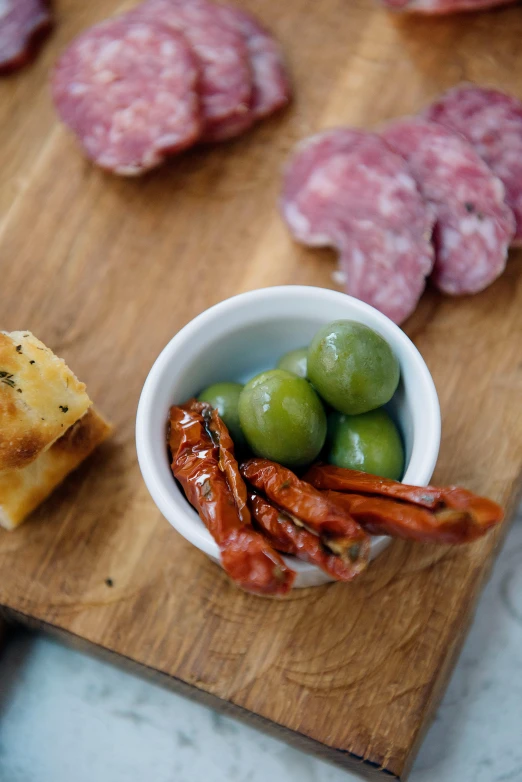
x,y
128,89
23,25
344,188
492,122
474,224
434,7
271,85
225,74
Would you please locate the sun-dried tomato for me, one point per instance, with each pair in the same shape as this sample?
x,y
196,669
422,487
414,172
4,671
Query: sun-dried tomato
x,y
204,468
385,516
286,534
313,509
445,514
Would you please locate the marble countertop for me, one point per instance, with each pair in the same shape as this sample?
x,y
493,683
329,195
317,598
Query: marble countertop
x,y
65,717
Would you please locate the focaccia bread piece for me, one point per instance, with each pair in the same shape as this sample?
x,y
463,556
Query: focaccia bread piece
x,y
22,490
40,398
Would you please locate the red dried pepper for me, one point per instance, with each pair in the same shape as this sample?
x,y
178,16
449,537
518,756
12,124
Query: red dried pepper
x,y
322,516
228,464
453,507
285,534
254,565
246,556
326,476
385,516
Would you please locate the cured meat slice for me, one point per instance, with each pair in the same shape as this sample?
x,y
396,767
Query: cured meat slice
x,y
127,88
474,224
435,7
23,25
346,189
492,122
309,156
225,85
271,86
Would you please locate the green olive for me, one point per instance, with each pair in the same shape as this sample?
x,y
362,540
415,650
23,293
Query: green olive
x,y
352,367
282,418
370,442
294,361
224,397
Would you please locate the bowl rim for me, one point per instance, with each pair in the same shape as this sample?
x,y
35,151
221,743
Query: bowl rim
x,y
423,457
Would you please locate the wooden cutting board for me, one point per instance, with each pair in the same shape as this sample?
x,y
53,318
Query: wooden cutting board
x,y
105,271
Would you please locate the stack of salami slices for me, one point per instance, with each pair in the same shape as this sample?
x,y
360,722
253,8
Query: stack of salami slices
x,y
439,195
140,87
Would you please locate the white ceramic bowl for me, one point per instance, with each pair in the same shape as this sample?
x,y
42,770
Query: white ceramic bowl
x,y
244,335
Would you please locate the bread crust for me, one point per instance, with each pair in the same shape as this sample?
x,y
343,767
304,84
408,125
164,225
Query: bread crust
x,y
40,398
22,490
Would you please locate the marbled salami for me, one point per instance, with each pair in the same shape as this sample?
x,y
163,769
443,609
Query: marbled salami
x,y
271,85
128,89
23,24
492,122
346,189
226,81
474,225
435,7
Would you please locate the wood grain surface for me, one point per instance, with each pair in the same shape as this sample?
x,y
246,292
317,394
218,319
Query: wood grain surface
x,y
106,270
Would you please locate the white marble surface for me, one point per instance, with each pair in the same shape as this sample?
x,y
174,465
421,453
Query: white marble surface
x,y
65,717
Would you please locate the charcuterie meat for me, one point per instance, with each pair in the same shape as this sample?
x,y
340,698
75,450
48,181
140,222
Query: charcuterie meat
x,y
492,122
226,83
165,75
308,158
346,189
23,25
271,86
434,7
474,225
127,88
